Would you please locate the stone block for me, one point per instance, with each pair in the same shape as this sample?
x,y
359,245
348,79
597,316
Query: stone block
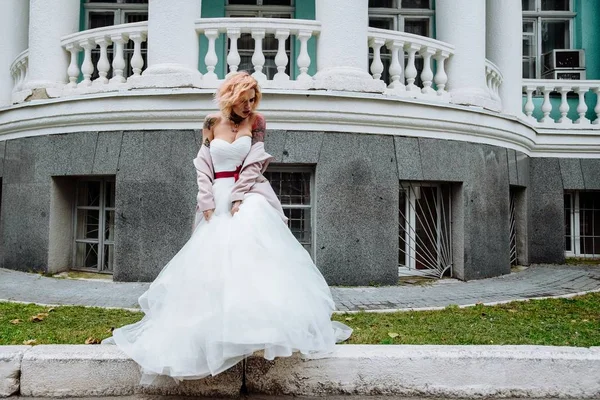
x,y
69,154
523,168
106,156
10,369
591,173
357,205
19,161
513,174
2,156
444,160
25,224
302,147
571,173
546,206
408,158
275,143
486,201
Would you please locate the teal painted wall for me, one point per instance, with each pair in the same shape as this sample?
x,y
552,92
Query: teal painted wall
x,y
305,9
588,35
213,9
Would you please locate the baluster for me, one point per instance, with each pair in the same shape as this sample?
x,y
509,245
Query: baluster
x,y
87,67
303,60
281,59
376,64
564,105
118,64
24,67
137,61
19,75
427,73
529,106
582,107
597,108
547,106
488,79
258,58
395,47
73,70
441,78
103,63
233,58
211,59
411,70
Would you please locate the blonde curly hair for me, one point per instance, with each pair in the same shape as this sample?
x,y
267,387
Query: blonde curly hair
x,y
231,90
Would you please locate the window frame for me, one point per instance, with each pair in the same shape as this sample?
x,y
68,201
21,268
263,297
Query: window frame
x,y
119,9
286,168
102,209
540,16
575,219
399,16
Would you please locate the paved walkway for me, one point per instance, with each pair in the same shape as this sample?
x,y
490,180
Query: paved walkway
x,y
535,281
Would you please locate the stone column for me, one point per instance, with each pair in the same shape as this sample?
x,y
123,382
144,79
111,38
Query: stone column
x,y
172,45
14,22
462,23
49,21
504,47
342,47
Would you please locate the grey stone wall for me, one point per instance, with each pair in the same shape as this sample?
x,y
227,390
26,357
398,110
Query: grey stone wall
x,y
356,198
550,177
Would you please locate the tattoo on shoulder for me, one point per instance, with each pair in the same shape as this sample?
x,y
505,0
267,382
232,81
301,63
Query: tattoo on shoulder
x,y
258,129
206,142
209,122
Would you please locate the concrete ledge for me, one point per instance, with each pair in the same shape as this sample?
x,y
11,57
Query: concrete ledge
x,y
10,367
87,370
434,371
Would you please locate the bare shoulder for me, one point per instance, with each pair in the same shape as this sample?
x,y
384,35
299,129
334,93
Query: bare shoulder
x,y
207,128
259,126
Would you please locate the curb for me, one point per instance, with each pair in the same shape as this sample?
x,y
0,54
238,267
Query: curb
x,y
407,370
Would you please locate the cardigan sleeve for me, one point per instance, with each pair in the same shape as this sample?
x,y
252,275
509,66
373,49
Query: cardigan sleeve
x,y
205,198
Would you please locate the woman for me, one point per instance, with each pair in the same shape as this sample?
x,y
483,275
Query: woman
x,y
242,283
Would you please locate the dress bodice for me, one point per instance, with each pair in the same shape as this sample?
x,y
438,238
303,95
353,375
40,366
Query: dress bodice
x,y
228,156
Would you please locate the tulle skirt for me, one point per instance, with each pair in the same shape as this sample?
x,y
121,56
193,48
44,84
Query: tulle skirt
x,y
239,285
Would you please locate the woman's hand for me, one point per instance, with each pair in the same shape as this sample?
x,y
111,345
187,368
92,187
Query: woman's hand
x,y
208,214
235,207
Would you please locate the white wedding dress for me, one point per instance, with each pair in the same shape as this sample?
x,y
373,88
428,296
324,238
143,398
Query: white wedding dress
x,y
240,284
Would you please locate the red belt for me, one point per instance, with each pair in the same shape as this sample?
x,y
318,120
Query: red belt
x,y
229,174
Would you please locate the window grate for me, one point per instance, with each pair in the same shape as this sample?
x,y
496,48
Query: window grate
x,y
293,187
424,240
94,225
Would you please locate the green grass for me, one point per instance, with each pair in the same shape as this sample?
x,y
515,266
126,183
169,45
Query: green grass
x,y
62,325
558,322
582,261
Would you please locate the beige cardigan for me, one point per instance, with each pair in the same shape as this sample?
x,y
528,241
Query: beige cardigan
x,y
251,179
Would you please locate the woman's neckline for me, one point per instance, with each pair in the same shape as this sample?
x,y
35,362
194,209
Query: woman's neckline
x,y
235,140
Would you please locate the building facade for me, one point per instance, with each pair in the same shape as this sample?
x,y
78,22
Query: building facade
x,y
441,138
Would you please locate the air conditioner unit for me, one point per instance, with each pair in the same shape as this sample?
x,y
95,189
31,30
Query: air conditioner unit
x,y
563,59
565,74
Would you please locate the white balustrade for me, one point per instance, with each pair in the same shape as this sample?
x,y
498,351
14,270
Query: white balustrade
x,y
565,90
494,79
88,41
18,71
259,29
403,76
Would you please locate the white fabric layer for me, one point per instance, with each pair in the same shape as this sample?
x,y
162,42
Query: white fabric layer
x,y
240,284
